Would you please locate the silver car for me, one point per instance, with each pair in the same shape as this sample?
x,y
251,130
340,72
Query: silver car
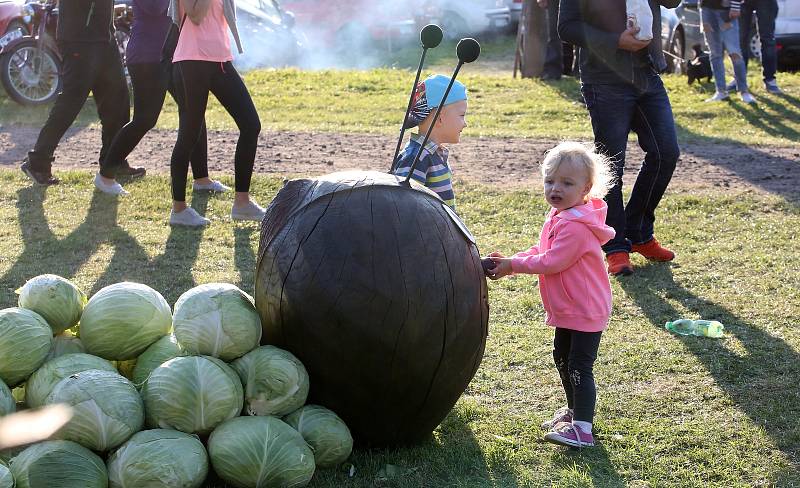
x,y
680,32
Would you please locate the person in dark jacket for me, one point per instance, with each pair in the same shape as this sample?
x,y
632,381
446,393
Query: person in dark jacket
x,y
623,92
151,78
91,63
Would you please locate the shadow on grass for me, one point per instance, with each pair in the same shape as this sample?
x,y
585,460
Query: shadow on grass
x,y
44,252
244,258
762,383
591,463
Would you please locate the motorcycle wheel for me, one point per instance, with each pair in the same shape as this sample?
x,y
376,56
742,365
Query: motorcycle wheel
x,y
29,75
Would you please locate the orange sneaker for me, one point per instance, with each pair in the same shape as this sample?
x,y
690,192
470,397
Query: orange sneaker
x,y
654,251
619,264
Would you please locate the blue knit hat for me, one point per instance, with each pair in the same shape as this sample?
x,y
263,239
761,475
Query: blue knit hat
x,y
428,95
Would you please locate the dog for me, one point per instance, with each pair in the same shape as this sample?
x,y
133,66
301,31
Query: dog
x,y
700,66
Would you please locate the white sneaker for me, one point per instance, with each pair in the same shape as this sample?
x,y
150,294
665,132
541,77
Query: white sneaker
x,y
250,211
112,189
188,217
772,87
748,98
213,187
718,97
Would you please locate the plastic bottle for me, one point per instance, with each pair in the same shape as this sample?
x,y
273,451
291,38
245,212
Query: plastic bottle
x,y
708,328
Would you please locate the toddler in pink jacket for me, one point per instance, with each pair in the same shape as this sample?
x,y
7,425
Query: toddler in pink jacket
x,y
573,281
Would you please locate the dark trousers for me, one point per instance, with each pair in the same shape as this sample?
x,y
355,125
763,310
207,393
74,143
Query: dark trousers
x,y
199,79
554,56
87,67
151,81
644,108
766,12
574,353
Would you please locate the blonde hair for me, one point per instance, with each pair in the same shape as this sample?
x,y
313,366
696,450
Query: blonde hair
x,y
598,167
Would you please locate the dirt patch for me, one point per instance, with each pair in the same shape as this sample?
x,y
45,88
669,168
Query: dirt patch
x,y
509,162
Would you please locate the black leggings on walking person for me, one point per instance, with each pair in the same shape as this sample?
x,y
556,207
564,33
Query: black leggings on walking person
x,y
574,353
224,82
151,81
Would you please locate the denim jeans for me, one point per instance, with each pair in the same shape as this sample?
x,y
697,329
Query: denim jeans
x,y
766,12
644,108
722,34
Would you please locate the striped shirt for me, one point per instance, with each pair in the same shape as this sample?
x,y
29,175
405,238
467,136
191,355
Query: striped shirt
x,y
431,170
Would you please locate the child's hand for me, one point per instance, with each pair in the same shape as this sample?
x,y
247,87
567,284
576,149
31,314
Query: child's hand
x,y
502,267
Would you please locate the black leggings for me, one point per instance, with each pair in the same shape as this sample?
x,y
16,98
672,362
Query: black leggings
x,y
151,81
221,79
574,353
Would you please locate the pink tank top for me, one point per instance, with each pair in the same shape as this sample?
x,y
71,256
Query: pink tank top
x,y
208,41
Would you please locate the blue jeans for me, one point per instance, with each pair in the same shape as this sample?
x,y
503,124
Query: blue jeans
x,y
766,12
644,108
722,34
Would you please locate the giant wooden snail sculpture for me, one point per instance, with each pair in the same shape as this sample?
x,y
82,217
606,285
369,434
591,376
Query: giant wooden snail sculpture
x,y
377,287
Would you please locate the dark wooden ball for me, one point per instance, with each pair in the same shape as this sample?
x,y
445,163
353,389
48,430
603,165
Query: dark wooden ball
x,y
377,287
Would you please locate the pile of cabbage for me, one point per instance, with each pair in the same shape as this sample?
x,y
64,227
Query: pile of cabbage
x,y
158,397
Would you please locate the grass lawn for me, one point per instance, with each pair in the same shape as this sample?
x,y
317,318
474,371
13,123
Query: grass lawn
x,y
374,100
672,411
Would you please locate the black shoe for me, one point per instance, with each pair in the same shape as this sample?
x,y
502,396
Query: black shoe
x,y
39,177
131,172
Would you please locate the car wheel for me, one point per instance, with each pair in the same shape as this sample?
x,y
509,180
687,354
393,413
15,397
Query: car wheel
x,y
676,62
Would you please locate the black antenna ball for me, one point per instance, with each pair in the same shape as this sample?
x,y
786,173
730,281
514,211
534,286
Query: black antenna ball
x,y
430,36
468,50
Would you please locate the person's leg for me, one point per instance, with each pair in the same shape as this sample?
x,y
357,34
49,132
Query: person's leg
x,y
77,62
554,55
561,347
191,116
711,20
767,11
611,109
199,157
149,90
582,355
730,41
110,90
655,127
232,94
745,25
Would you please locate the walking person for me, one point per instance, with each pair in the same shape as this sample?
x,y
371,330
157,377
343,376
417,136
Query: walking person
x,y
203,61
766,12
623,92
151,78
91,63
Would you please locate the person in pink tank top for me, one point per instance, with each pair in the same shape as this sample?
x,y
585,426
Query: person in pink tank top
x,y
202,60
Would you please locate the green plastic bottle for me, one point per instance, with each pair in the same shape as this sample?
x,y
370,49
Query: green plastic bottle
x,y
707,328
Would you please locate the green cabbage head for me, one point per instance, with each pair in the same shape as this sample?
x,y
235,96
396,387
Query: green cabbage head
x,y
6,478
325,432
56,299
260,451
159,458
65,343
275,381
7,403
106,409
121,320
25,340
217,319
192,394
59,464
154,356
44,379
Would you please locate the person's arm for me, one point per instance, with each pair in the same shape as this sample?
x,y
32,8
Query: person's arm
x,y
736,9
567,248
153,7
528,252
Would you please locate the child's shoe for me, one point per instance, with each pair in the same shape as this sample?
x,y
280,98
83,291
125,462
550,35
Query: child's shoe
x,y
619,264
563,414
568,434
654,251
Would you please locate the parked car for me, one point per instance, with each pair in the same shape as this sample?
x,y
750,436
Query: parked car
x,y
680,31
787,35
267,34
460,18
515,9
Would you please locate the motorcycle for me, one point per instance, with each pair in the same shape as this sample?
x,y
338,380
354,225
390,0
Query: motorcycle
x,y
30,66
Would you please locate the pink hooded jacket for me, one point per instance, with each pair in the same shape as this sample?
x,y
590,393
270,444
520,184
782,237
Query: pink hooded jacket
x,y
573,280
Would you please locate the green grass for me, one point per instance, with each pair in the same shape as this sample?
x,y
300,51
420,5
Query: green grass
x,y
374,100
672,411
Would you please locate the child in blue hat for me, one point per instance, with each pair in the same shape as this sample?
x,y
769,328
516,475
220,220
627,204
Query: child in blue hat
x,y
432,169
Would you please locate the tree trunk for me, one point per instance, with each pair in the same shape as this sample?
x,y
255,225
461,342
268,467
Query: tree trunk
x,y
532,39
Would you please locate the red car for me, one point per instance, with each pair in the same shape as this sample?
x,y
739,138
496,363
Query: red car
x,y
12,24
345,24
